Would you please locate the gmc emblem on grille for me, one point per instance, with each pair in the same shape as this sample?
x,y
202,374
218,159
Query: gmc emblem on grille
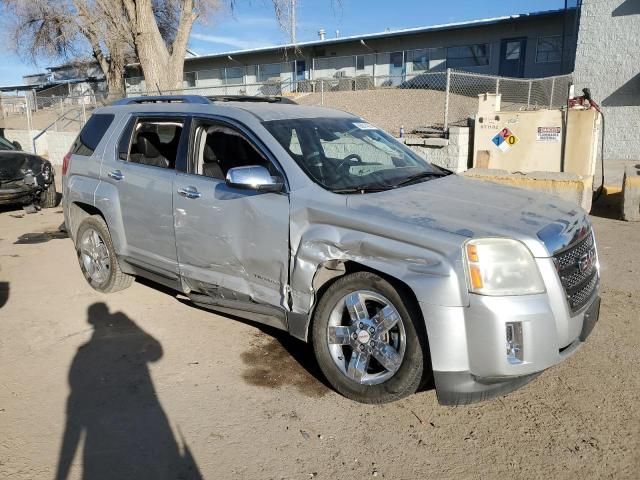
x,y
586,261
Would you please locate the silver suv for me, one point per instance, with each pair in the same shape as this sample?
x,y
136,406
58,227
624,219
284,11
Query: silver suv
x,y
313,221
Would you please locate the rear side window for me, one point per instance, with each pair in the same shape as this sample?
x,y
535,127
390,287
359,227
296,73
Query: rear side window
x,y
91,134
152,141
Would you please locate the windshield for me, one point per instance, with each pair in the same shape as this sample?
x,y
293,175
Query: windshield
x,y
6,144
346,155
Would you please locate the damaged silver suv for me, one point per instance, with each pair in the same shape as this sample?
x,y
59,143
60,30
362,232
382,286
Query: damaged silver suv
x,y
311,220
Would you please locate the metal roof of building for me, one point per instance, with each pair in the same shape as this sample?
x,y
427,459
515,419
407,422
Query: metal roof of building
x,y
391,33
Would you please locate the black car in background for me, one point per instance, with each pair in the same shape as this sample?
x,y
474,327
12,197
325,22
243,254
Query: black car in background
x,y
25,179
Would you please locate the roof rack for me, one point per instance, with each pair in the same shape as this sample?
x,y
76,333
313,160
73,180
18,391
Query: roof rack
x,y
196,99
250,98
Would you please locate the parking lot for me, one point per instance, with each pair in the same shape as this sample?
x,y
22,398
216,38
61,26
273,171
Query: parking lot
x,y
172,391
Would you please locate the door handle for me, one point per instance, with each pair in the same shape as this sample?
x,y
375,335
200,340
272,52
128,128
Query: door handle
x,y
189,192
116,174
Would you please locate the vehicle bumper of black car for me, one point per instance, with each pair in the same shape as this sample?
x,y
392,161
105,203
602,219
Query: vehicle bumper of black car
x,y
18,195
463,388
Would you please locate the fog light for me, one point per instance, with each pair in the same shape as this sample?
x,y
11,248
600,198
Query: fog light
x,y
515,350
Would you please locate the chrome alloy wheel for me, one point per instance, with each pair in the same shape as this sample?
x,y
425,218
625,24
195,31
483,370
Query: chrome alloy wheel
x,y
94,256
366,337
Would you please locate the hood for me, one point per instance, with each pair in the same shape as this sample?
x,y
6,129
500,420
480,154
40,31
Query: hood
x,y
475,208
13,164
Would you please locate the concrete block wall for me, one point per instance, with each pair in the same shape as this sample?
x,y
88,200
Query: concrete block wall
x,y
53,145
452,154
608,62
58,145
567,186
25,138
631,194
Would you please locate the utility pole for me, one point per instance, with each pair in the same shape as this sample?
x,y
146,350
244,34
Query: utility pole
x,y
292,18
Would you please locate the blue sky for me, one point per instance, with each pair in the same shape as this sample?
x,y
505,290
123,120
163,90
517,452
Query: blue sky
x,y
253,23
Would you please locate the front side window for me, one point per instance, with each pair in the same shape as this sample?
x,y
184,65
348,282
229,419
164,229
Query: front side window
x,y
549,49
217,148
153,142
347,155
468,56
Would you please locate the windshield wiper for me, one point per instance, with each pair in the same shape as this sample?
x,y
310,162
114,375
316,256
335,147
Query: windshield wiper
x,y
420,176
361,189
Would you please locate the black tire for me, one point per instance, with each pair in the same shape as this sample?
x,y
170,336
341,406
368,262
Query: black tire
x,y
414,367
49,197
116,280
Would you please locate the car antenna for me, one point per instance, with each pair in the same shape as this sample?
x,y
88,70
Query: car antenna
x,y
158,87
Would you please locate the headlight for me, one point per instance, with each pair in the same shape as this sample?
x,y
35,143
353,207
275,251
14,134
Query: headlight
x,y
46,171
501,266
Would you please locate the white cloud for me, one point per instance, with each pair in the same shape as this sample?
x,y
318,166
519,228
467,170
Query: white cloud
x,y
231,41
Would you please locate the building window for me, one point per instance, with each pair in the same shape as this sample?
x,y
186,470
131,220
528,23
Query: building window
x,y
189,79
468,56
270,72
233,76
396,59
549,49
437,59
512,51
360,62
419,59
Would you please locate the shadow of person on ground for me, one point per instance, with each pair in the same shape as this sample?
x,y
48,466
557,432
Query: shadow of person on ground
x,y
114,407
4,293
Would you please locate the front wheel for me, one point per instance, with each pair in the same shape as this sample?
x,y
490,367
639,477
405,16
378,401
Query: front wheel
x,y
368,340
49,196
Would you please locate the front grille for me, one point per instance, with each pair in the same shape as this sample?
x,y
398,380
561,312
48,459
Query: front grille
x,y
577,268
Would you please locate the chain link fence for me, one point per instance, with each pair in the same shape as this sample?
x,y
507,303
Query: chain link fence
x,y
417,103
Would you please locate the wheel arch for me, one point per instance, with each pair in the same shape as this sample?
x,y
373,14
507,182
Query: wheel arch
x,y
78,211
330,271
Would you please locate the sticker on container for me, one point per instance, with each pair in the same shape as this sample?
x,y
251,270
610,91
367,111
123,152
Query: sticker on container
x,y
364,126
505,139
548,134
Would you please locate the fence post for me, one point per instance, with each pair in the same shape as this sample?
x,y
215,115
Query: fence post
x,y
497,85
446,101
553,86
322,92
28,109
84,112
529,96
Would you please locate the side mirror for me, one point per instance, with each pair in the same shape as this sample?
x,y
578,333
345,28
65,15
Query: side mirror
x,y
254,177
16,144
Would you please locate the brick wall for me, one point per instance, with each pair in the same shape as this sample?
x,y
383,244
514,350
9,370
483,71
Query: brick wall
x,y
608,62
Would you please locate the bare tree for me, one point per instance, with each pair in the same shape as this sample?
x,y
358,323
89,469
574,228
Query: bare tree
x,y
72,29
155,32
162,61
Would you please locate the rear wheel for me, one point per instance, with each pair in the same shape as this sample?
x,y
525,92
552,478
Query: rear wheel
x,y
368,339
97,257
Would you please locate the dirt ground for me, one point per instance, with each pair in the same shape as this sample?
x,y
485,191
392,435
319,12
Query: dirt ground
x,y
392,108
141,385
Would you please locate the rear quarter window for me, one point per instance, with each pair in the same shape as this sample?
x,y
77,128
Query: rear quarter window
x,y
92,134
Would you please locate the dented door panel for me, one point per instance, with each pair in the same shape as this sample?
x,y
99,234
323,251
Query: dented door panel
x,y
233,239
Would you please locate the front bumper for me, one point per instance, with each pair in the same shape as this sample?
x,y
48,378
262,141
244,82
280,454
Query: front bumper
x,y
19,195
469,344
